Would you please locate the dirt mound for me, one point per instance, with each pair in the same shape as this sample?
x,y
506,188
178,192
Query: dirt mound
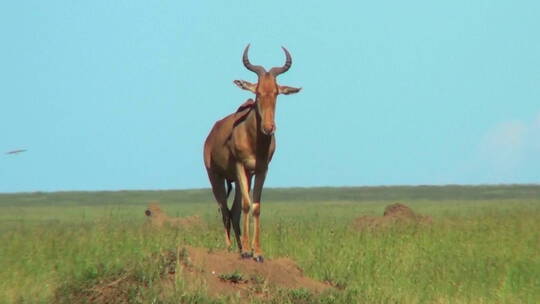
x,y
217,273
158,218
399,210
394,214
227,273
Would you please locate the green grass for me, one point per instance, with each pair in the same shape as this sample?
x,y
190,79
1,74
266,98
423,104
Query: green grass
x,y
483,246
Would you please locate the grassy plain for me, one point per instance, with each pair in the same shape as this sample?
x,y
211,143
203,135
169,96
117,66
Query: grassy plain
x,y
483,245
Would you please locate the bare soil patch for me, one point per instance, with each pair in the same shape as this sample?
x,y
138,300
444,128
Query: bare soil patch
x,y
158,218
395,214
216,273
226,273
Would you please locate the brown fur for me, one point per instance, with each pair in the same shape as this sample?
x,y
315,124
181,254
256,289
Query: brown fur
x,y
241,146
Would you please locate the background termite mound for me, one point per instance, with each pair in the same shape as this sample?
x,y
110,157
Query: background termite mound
x,y
156,217
394,215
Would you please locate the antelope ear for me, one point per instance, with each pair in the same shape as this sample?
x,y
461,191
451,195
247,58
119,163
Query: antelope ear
x,y
288,90
248,86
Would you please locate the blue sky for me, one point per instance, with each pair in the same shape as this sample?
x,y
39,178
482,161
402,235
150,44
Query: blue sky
x,y
121,94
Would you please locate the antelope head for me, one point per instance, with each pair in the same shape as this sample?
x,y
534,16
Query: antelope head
x,y
266,89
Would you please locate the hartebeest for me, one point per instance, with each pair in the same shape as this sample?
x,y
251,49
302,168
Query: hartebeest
x,y
241,146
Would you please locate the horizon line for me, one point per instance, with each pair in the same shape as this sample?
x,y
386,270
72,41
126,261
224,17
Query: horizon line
x,y
290,187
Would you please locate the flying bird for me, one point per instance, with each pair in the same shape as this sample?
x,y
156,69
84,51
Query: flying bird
x,y
16,151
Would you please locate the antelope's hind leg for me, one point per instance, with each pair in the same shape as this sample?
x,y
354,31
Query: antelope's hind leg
x,y
236,211
218,188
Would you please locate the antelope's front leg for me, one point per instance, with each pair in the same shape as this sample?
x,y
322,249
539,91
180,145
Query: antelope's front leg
x,y
243,183
257,191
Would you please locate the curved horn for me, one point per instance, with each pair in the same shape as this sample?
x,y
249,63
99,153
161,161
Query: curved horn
x,y
257,69
288,62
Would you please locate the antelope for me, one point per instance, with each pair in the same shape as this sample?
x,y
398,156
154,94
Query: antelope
x,y
241,146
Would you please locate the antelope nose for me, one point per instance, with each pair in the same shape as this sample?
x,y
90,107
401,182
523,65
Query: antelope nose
x,y
269,129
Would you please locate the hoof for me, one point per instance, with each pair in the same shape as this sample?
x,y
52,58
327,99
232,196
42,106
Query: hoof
x,y
246,255
258,259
